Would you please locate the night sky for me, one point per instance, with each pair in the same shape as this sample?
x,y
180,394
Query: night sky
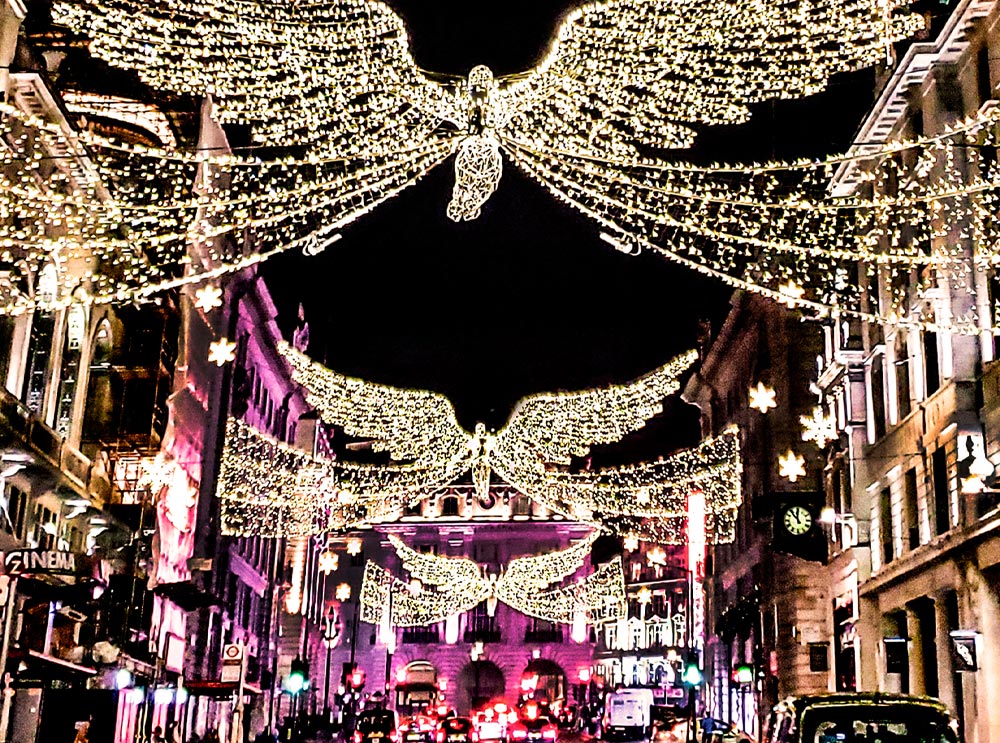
x,y
526,298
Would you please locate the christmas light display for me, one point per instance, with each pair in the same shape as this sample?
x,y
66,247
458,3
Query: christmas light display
x,y
207,298
532,451
791,466
451,585
221,351
623,80
762,397
819,427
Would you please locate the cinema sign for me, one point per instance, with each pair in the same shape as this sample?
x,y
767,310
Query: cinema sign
x,y
46,562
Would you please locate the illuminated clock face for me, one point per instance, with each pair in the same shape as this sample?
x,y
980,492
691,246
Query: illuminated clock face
x,y
797,520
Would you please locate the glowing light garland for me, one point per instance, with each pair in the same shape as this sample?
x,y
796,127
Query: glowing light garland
x,y
531,452
623,78
459,584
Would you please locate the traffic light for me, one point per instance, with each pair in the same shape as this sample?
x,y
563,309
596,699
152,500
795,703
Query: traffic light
x,y
692,675
357,678
797,528
743,673
298,676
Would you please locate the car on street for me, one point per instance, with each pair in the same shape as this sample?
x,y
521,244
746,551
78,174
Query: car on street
x,y
860,717
540,729
417,729
375,726
455,730
627,715
491,723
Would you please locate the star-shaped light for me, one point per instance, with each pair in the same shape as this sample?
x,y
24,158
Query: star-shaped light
x,y
354,546
328,561
791,466
645,595
343,592
221,351
208,298
818,427
656,556
631,543
762,397
790,293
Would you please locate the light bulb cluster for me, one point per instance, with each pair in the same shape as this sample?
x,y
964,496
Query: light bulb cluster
x,y
623,80
647,500
451,585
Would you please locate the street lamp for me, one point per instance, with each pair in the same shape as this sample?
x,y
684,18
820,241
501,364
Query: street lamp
x,y
476,653
329,635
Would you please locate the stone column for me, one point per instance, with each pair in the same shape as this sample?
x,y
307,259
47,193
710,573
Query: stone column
x,y
870,657
915,654
942,640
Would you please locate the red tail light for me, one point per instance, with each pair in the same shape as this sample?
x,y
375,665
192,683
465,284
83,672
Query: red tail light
x,y
440,736
475,737
357,737
512,716
519,732
549,733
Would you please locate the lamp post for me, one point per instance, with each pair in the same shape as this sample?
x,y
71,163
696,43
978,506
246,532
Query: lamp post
x,y
475,654
329,635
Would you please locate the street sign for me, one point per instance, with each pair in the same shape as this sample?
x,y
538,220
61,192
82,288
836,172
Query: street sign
x,y
232,663
963,651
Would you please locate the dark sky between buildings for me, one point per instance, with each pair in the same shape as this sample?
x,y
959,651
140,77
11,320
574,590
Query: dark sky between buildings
x,y
527,298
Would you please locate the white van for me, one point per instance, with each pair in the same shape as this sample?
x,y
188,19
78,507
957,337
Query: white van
x,y
627,714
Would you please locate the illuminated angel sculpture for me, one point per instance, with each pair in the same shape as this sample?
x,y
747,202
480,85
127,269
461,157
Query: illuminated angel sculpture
x,y
441,587
533,452
622,77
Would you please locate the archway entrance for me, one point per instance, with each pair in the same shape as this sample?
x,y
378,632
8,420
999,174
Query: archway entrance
x,y
479,682
544,679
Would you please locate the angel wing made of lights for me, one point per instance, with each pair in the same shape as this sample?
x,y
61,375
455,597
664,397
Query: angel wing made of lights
x,y
621,79
458,584
543,432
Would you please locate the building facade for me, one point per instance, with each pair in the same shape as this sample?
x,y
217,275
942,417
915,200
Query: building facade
x,y
764,608
910,481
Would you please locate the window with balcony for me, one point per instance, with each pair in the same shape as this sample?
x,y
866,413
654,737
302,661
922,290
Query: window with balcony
x,y
942,491
885,526
539,631
480,626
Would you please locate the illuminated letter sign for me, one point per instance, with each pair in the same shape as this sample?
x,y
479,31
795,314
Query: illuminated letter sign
x,y
50,562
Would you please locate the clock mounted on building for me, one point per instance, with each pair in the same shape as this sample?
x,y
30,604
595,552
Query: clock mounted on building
x,y
797,520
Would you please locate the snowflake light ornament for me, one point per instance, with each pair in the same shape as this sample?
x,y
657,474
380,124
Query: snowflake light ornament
x,y
818,427
762,397
791,466
222,351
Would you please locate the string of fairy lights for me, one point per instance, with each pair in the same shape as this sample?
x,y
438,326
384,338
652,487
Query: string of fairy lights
x,y
452,585
367,122
533,452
